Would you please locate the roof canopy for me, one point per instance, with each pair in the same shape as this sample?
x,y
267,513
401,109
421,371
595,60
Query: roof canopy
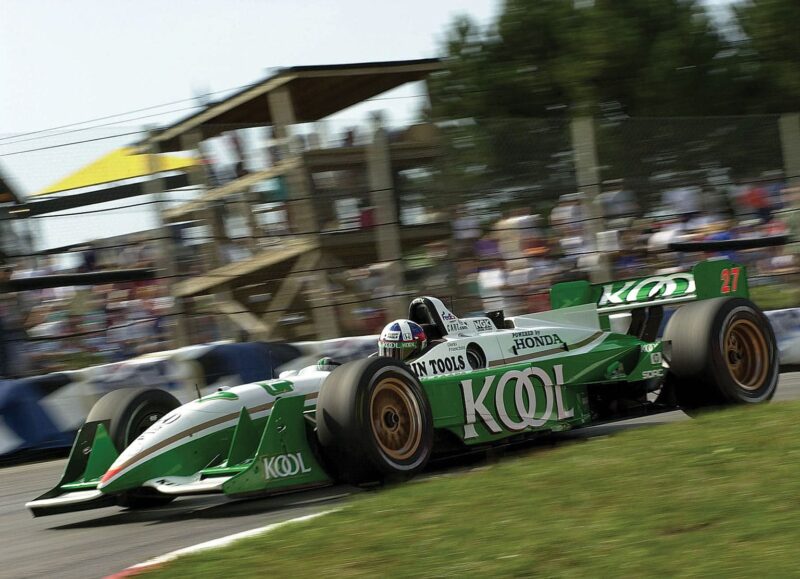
x,y
316,92
118,165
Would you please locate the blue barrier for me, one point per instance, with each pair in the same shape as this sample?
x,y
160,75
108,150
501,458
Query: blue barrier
x,y
786,324
27,420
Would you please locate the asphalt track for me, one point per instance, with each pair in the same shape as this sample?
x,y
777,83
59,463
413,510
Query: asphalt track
x,y
100,542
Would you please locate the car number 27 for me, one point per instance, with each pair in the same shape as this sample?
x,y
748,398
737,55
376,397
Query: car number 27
x,y
730,280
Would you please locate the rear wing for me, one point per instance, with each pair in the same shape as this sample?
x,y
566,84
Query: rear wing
x,y
708,279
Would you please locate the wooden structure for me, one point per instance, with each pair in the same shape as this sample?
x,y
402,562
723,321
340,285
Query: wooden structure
x,y
13,240
293,274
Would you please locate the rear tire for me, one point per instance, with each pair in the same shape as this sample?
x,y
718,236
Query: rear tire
x,y
128,412
723,353
374,421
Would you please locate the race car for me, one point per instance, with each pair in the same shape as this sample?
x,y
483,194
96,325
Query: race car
x,y
440,385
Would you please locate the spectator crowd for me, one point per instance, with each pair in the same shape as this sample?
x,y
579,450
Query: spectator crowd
x,y
506,261
71,327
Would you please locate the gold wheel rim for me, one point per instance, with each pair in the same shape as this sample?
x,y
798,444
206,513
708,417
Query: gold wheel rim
x,y
395,419
747,354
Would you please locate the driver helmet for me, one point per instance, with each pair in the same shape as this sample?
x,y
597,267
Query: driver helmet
x,y
402,339
327,364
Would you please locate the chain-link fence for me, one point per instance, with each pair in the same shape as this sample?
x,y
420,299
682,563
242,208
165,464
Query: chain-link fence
x,y
486,214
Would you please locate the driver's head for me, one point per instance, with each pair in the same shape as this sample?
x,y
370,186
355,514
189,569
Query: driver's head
x,y
402,340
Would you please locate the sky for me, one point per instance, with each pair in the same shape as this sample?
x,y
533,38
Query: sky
x,y
71,61
68,62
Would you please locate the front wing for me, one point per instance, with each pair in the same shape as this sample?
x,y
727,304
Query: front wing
x,y
278,460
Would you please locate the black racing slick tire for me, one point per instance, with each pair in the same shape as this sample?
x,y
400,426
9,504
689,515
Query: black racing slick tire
x,y
128,412
131,411
374,422
723,352
475,357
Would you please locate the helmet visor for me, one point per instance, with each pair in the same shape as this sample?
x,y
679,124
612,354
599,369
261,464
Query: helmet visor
x,y
397,350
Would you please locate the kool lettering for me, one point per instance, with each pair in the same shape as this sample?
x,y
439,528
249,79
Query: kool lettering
x,y
474,407
661,286
531,342
526,402
284,465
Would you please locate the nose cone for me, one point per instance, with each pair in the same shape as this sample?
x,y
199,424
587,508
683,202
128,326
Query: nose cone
x,y
182,443
110,474
116,481
136,463
120,477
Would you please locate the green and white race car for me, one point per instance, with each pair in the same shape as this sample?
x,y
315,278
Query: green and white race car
x,y
481,381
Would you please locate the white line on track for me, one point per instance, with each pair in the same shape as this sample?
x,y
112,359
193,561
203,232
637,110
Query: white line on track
x,y
318,500
213,544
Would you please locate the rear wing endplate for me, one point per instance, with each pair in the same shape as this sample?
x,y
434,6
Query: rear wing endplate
x,y
708,279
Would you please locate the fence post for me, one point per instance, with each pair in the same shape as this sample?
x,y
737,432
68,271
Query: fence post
x,y
587,172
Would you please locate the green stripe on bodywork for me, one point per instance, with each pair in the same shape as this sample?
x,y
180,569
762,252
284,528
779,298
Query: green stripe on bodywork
x,y
222,395
224,470
79,486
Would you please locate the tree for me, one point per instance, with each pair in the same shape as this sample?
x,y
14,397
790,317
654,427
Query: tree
x,y
637,57
543,62
770,53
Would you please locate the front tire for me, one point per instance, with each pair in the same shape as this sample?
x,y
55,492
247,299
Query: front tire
x,y
723,353
127,413
374,421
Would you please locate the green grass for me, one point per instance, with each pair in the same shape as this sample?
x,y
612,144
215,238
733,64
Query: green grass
x,y
717,496
776,297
